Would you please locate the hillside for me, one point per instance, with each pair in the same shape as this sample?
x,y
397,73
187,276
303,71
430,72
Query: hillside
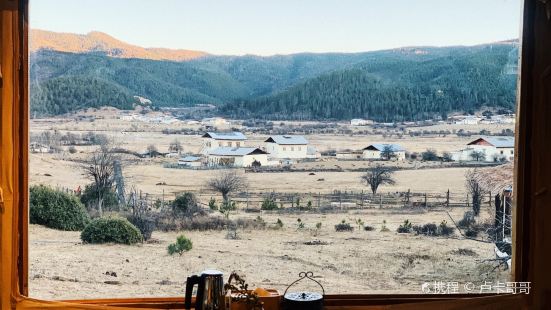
x,y
398,89
398,84
100,42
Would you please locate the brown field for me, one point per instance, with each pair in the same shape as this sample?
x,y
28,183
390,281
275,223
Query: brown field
x,y
352,262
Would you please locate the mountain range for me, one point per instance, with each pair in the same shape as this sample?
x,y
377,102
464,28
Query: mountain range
x,y
70,72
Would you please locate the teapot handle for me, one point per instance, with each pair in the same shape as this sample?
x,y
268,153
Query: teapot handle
x,y
303,275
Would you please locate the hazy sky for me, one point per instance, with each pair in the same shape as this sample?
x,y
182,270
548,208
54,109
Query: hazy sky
x,y
267,27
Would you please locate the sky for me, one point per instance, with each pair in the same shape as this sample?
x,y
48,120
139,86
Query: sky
x,y
268,27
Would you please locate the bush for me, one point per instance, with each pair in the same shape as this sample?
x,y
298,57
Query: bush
x,y
279,223
56,209
185,204
89,198
471,233
368,228
111,229
212,204
268,204
429,229
429,155
467,220
72,149
182,245
405,227
444,229
343,226
145,225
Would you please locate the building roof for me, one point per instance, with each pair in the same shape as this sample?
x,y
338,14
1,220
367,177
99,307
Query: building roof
x,y
225,135
287,140
189,158
236,151
497,141
381,146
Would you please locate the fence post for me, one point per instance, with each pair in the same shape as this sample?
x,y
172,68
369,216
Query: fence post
x,y
426,200
247,193
319,199
380,201
340,200
468,200
448,198
490,200
362,198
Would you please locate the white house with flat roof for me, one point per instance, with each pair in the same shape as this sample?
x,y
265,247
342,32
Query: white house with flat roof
x,y
376,151
286,146
237,157
494,148
214,140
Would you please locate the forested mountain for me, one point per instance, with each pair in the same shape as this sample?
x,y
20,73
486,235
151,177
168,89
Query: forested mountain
x,y
406,83
397,89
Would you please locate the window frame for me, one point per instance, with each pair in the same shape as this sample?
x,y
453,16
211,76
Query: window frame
x,y
530,186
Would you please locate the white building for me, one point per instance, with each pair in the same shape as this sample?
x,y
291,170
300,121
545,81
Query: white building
x,y
190,161
348,155
360,122
375,151
237,157
36,147
469,120
214,121
214,140
287,146
493,148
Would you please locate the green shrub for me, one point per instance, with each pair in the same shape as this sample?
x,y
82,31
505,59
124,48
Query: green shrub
x,y
111,229
182,245
467,220
56,209
279,223
89,198
268,204
185,204
471,233
343,226
212,204
405,227
145,225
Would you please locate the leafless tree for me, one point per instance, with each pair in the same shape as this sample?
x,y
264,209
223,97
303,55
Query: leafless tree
x,y
378,175
387,152
227,182
100,168
175,146
478,155
152,150
474,188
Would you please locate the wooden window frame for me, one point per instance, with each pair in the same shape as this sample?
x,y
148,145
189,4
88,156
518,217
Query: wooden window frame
x,y
532,182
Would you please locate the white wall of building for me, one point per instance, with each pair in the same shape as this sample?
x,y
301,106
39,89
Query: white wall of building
x,y
286,151
491,153
210,144
238,161
372,154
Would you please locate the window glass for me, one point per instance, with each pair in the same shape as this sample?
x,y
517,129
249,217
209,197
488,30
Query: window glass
x,y
403,186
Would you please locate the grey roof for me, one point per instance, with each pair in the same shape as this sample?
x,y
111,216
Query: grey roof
x,y
287,140
236,151
190,158
381,146
497,141
225,135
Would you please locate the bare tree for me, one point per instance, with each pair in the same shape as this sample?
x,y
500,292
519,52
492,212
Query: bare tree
x,y
175,146
100,168
474,188
378,175
387,152
227,182
478,155
152,150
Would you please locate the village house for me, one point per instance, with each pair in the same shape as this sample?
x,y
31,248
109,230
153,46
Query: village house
x,y
348,155
214,140
237,157
360,122
190,161
376,151
36,147
287,146
493,148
